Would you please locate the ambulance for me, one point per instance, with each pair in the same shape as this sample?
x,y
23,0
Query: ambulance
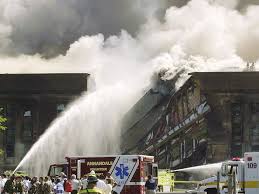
x,y
129,171
238,176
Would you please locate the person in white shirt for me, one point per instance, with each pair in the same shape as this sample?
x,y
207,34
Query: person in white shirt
x,y
63,177
101,185
59,187
4,178
75,184
109,183
1,184
26,184
84,182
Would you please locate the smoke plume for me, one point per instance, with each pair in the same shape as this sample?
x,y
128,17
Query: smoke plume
x,y
49,27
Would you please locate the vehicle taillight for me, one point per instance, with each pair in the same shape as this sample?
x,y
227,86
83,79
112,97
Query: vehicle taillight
x,y
249,158
236,159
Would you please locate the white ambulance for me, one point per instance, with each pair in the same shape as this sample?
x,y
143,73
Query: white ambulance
x,y
238,176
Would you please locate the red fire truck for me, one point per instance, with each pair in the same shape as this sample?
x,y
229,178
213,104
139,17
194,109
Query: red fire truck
x,y
129,171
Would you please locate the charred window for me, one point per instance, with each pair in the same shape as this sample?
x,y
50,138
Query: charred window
x,y
188,147
185,105
183,153
176,151
180,109
161,156
190,100
174,117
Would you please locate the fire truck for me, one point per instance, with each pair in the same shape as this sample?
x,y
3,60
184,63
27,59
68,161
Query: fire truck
x,y
129,171
238,176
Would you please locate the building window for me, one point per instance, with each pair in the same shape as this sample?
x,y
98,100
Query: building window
x,y
195,143
11,129
183,150
255,108
60,108
255,148
27,126
188,147
254,138
161,156
236,122
185,105
180,110
176,151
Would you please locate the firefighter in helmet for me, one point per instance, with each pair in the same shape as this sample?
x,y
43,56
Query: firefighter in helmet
x,y
91,187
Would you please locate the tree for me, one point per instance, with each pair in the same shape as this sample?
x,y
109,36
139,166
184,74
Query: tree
x,y
2,127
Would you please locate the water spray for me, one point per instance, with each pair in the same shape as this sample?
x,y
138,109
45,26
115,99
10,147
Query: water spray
x,y
214,166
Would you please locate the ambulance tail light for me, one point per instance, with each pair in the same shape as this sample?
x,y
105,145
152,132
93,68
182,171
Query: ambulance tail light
x,y
236,159
249,158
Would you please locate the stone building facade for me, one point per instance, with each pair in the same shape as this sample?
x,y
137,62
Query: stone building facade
x,y
30,102
214,116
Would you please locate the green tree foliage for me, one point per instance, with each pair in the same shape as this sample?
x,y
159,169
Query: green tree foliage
x,y
2,127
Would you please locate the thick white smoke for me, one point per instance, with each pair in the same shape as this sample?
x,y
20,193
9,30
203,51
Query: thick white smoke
x,y
49,27
203,35
91,125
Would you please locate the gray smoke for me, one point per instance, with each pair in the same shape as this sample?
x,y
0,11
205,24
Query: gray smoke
x,y
49,27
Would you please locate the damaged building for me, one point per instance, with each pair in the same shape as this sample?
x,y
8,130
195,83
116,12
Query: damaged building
x,y
214,116
30,102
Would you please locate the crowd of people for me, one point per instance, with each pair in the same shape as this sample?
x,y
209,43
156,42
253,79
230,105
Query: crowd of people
x,y
89,184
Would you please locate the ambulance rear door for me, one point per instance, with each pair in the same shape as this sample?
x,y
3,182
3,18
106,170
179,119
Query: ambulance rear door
x,y
251,173
122,170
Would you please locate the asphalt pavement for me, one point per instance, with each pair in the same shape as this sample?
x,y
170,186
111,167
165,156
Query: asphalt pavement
x,y
171,193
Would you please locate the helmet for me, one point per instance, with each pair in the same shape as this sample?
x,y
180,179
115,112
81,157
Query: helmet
x,y
92,179
92,173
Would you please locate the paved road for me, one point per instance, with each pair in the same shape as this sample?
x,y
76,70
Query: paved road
x,y
173,193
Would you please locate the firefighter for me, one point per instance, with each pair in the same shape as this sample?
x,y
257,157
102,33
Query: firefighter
x,y
91,187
